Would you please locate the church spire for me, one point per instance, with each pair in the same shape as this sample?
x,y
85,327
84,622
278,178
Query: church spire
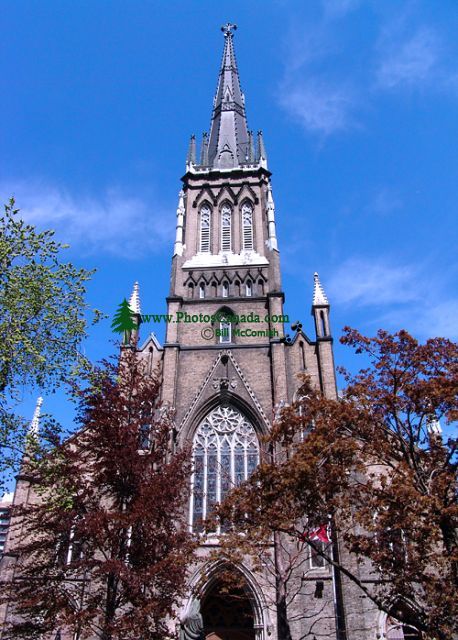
x,y
229,144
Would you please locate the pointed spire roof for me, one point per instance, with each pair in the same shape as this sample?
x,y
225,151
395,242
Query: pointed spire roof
x,y
35,422
319,296
134,300
229,143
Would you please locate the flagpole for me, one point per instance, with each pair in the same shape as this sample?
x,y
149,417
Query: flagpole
x,y
341,626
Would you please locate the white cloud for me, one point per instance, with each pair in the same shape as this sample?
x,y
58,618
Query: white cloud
x,y
402,295
112,222
439,319
428,319
326,87
368,283
318,107
309,95
409,62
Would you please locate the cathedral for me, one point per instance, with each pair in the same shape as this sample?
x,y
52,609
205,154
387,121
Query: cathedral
x,y
228,366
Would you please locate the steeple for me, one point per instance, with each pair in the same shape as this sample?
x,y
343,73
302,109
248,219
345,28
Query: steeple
x,y
229,144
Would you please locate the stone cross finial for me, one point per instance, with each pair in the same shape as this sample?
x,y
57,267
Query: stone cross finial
x,y
228,28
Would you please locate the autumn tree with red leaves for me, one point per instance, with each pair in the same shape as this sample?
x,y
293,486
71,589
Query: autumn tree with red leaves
x,y
107,548
375,466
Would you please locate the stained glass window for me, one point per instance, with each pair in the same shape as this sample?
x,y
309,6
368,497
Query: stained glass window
x,y
225,453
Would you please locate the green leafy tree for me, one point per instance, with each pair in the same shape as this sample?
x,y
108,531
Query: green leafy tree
x,y
42,321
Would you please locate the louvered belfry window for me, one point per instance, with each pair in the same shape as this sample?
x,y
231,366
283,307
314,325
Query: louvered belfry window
x,y
205,216
247,225
226,223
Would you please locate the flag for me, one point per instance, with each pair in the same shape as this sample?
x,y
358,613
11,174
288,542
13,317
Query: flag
x,y
320,533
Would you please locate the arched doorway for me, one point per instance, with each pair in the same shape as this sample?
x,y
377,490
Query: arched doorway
x,y
227,614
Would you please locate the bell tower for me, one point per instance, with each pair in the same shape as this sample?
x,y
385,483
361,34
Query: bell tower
x,y
226,257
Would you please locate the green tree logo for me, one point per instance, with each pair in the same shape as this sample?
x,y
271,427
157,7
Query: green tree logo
x,y
124,320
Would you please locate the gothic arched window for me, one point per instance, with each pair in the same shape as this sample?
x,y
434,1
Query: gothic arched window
x,y
204,236
247,226
225,453
302,348
226,226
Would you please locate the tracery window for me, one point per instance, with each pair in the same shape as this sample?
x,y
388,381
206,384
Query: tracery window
x,y
225,453
226,220
204,239
247,226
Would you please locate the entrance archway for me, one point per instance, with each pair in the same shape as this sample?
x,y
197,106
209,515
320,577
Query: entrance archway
x,y
227,614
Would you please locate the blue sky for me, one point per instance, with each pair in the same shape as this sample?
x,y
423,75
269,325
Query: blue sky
x,y
358,103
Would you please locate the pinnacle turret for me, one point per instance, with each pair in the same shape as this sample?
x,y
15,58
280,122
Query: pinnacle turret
x,y
134,300
191,157
262,155
319,296
34,427
320,310
178,248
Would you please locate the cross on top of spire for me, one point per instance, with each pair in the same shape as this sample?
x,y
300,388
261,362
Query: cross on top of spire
x,y
228,28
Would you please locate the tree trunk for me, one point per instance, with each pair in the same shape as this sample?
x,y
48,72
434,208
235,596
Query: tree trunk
x,y
110,606
284,631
